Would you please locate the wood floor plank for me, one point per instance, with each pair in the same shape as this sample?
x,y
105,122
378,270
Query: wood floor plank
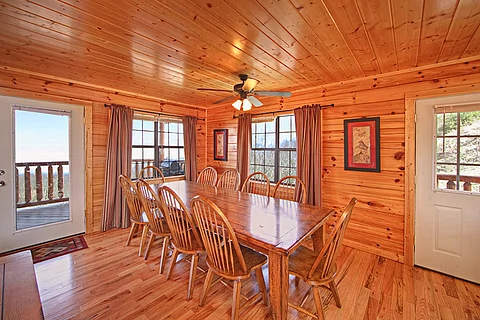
x,y
110,281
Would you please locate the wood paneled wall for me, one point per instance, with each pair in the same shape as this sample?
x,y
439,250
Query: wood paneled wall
x,y
378,222
34,86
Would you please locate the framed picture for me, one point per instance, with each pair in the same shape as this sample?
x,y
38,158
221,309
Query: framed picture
x,y
220,144
362,144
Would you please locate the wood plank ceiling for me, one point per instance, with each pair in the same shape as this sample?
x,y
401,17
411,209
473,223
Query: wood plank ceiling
x,y
168,48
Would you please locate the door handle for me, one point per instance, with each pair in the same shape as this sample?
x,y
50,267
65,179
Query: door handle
x,y
2,172
2,183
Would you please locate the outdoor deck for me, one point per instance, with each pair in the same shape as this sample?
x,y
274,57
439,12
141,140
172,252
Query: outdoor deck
x,y
41,215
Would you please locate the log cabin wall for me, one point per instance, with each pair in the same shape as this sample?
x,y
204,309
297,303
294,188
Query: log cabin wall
x,y
34,86
378,222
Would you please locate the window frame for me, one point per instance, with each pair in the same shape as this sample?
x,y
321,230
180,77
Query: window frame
x,y
277,149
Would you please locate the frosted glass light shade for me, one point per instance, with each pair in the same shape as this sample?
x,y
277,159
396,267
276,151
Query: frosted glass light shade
x,y
247,105
237,104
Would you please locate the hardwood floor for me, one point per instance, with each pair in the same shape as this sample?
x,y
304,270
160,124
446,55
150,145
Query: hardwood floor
x,y
110,281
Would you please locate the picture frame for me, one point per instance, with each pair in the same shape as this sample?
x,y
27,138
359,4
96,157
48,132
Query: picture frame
x,y
220,144
362,144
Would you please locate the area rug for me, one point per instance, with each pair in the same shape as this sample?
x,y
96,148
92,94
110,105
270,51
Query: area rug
x,y
58,248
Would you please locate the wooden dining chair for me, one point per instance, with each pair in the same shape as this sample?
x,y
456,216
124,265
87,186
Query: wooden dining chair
x,y
230,179
320,270
138,218
152,174
185,236
225,256
291,188
157,226
257,183
208,176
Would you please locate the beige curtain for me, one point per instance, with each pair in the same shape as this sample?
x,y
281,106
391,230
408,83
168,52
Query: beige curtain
x,y
119,161
190,142
308,122
244,144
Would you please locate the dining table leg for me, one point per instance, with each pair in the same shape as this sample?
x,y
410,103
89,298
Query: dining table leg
x,y
278,280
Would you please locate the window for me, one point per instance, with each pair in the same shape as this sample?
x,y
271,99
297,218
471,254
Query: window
x,y
274,147
458,148
158,142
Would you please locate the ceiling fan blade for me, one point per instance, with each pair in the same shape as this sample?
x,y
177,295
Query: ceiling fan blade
x,y
255,101
225,99
273,93
219,90
249,84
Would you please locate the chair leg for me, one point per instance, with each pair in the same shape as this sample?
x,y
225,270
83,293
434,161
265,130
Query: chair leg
x,y
166,242
172,263
193,272
318,303
149,245
237,286
130,235
206,286
334,289
142,240
261,285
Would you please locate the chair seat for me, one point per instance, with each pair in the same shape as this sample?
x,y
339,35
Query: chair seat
x,y
252,258
196,247
300,263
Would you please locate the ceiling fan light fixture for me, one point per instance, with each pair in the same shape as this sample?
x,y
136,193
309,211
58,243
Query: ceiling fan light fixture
x,y
237,104
247,105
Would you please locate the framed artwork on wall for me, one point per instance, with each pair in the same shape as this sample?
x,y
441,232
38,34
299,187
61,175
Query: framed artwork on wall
x,y
362,144
220,144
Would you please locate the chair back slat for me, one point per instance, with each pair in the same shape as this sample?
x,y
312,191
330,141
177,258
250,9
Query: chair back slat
x,y
257,183
152,174
179,220
151,207
208,176
230,179
291,188
218,237
330,250
131,196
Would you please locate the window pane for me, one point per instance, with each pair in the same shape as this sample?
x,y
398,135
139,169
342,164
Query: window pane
x,y
446,176
136,153
270,172
293,157
284,159
449,153
174,154
270,126
261,127
173,127
173,139
469,178
181,140
182,154
252,156
137,138
148,138
270,140
260,157
285,123
470,123
148,125
450,124
148,154
270,158
470,150
284,172
260,141
137,124
285,141
252,168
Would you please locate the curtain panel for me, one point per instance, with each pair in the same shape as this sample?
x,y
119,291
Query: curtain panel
x,y
119,161
190,147
244,144
308,123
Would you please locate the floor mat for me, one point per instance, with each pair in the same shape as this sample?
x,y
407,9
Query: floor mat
x,y
58,248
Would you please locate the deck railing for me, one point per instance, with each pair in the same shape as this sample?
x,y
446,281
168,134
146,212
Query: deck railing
x,y
46,188
139,164
467,182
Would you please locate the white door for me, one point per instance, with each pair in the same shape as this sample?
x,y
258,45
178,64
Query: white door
x,y
447,218
41,172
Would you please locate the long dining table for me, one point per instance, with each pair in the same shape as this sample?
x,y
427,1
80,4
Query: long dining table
x,y
275,227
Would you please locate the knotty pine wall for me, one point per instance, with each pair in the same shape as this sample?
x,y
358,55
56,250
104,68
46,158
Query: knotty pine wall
x,y
34,86
378,222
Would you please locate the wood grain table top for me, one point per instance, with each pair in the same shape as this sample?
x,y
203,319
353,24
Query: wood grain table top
x,y
268,223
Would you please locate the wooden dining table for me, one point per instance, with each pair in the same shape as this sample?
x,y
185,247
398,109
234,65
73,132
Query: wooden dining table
x,y
272,226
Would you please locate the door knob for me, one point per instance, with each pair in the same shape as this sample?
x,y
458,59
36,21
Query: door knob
x,y
2,172
2,183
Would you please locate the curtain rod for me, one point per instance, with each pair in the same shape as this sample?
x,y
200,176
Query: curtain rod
x,y
284,111
155,113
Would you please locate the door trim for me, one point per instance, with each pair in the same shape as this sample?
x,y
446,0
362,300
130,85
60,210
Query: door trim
x,y
410,189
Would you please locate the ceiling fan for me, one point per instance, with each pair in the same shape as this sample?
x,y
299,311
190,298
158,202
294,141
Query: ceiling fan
x,y
246,93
